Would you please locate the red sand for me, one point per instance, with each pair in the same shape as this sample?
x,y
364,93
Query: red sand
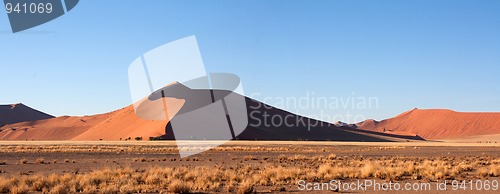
x,y
110,126
437,124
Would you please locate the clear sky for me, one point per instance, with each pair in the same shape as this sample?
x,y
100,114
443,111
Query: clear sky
x,y
406,54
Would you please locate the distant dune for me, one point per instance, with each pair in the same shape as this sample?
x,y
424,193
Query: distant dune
x,y
110,126
15,113
437,124
123,123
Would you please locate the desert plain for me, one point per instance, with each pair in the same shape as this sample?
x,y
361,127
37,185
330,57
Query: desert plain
x,y
243,166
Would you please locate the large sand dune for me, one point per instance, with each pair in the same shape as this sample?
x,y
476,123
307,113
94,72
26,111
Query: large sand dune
x,y
15,113
110,126
437,124
123,123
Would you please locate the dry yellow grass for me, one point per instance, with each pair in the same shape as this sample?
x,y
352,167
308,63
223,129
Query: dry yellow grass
x,y
119,149
241,179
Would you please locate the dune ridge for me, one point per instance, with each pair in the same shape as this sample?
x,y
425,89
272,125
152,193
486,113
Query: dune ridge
x,y
123,124
437,124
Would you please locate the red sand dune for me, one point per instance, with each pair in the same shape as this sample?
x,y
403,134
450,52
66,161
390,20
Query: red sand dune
x,y
15,113
110,126
124,123
437,124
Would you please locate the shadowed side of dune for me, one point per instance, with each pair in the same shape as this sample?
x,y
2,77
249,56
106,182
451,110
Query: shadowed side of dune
x,y
16,113
269,123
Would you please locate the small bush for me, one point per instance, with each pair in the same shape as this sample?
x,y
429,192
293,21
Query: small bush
x,y
140,160
158,138
245,188
40,161
59,189
5,185
178,186
332,157
248,157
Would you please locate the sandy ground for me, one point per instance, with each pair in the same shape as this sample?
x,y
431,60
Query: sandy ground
x,y
80,157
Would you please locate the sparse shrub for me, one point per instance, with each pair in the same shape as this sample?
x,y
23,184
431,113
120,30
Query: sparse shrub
x,y
483,172
140,160
494,170
245,187
41,184
178,186
40,161
248,157
138,138
5,185
19,189
299,158
111,189
158,138
59,189
332,156
23,161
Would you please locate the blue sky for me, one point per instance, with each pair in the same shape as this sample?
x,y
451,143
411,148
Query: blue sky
x,y
407,54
